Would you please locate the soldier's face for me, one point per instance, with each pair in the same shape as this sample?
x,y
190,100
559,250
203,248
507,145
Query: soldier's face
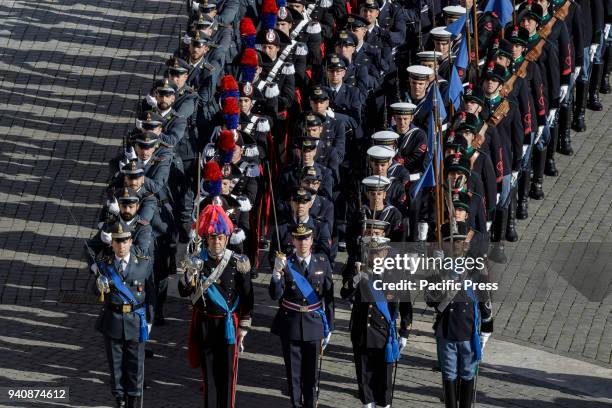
x,y
466,3
335,76
270,50
216,244
226,186
314,131
379,168
197,51
418,88
284,26
134,183
144,152
311,184
179,79
544,5
491,86
237,154
456,179
429,64
402,122
308,155
300,208
346,51
442,47
164,102
296,6
128,210
245,105
529,25
376,198
468,136
121,247
517,50
451,19
503,60
472,107
460,214
369,14
360,32
302,246
319,105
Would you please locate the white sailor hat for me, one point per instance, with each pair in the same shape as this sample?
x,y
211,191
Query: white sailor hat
x,y
428,55
440,34
385,138
380,153
454,11
375,242
419,71
372,224
403,108
376,183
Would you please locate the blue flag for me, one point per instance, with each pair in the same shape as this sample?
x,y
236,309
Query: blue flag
x,y
461,61
428,104
457,27
503,9
455,88
429,176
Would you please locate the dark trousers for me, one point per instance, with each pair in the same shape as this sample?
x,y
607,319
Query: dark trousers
x,y
126,363
374,376
301,364
219,370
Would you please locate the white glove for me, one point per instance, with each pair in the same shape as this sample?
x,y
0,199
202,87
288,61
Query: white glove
x,y
241,335
326,340
592,51
94,268
489,223
151,101
195,6
606,30
514,177
563,92
538,134
149,325
186,39
551,115
113,207
138,124
438,254
130,154
484,337
403,342
106,237
497,198
280,263
358,277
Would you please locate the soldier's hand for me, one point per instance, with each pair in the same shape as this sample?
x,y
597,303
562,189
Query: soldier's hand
x,y
484,337
280,262
113,206
241,335
130,154
592,51
151,101
403,342
563,92
102,284
358,277
94,269
106,237
538,134
514,178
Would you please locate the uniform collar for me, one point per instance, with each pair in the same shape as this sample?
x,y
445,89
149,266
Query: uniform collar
x,y
534,37
307,259
126,259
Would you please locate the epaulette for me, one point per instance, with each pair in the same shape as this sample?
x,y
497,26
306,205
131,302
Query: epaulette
x,y
158,160
243,265
107,259
140,255
142,222
208,66
322,258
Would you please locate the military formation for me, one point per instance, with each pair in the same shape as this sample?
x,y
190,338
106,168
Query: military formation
x,y
281,132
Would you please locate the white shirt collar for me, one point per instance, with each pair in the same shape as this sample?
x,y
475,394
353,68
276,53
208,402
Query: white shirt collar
x,y
144,162
337,89
164,113
126,259
307,259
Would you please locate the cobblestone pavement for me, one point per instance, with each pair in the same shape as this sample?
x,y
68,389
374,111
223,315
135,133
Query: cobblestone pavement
x,y
70,72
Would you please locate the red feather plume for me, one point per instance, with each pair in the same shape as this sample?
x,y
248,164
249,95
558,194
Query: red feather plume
x,y
226,141
249,58
212,171
247,27
269,6
228,83
230,106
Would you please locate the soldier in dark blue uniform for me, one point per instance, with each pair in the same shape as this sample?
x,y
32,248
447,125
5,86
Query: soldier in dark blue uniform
x,y
357,71
219,284
344,98
377,342
125,283
302,283
464,320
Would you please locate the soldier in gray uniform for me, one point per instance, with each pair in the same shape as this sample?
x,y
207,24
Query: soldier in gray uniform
x,y
124,282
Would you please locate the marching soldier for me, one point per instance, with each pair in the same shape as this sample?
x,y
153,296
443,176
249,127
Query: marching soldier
x,y
219,284
125,283
302,283
377,342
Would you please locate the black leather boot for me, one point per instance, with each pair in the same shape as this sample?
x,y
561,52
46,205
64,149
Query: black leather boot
x,y
594,103
466,394
120,402
498,233
550,169
539,157
604,88
133,402
450,394
578,123
511,235
523,195
565,137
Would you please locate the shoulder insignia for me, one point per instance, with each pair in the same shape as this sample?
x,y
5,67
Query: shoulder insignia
x,y
142,256
322,258
243,265
208,66
142,222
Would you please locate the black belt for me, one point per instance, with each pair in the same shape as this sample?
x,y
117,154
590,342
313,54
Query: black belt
x,y
124,308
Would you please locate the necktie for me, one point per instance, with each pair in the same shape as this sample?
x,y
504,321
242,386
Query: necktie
x,y
304,267
121,268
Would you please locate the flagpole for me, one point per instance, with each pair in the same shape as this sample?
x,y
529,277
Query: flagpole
x,y
437,169
467,33
475,13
